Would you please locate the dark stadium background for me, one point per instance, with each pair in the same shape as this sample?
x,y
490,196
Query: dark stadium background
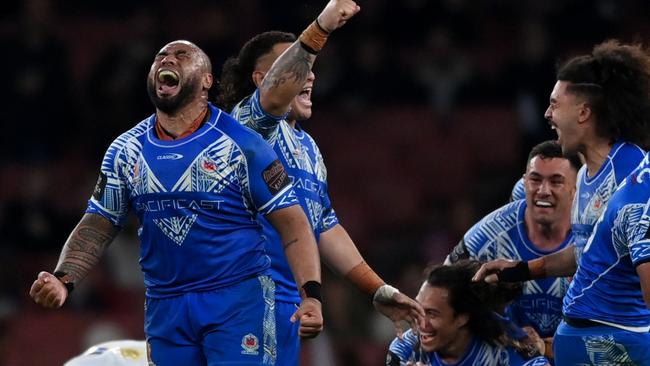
x,y
423,109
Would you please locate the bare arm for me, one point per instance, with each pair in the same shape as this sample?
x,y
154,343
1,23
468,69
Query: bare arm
x,y
559,264
302,254
287,76
298,242
339,252
81,252
643,270
85,246
285,79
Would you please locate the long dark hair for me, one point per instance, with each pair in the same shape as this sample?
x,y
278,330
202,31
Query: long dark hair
x,y
236,81
615,79
479,300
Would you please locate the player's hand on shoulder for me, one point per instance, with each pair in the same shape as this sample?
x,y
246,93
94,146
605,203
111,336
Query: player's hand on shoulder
x,y
48,291
336,13
310,316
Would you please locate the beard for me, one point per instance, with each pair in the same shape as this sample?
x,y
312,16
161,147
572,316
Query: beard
x,y
172,104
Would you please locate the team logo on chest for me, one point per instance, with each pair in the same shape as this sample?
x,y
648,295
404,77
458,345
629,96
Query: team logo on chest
x,y
250,344
208,165
176,227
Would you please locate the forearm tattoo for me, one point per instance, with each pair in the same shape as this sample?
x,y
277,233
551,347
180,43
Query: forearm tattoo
x,y
293,66
86,245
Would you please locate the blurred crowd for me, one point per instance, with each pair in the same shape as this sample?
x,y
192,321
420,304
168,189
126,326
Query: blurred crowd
x,y
424,111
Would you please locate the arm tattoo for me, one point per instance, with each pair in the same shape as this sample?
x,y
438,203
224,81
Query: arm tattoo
x,y
294,65
289,243
86,245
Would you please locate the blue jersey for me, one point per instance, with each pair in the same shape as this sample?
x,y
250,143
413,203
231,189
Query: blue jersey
x,y
304,164
478,353
593,193
196,199
502,234
606,287
518,191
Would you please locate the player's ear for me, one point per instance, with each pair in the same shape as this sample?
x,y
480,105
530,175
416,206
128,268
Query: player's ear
x,y
207,81
258,76
584,113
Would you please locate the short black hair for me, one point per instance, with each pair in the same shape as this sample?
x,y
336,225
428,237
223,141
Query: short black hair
x,y
236,82
552,149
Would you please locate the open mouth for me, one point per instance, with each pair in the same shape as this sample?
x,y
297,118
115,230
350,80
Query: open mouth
x,y
168,82
305,97
426,338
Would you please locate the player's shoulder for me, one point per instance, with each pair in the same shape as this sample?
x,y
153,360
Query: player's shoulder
x,y
625,158
244,137
138,131
506,216
241,111
518,191
132,139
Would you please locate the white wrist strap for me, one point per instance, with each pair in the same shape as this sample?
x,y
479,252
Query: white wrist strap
x,y
385,293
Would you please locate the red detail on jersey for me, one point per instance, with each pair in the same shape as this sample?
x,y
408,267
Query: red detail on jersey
x,y
209,166
250,341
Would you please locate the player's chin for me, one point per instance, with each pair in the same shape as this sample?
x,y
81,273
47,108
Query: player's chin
x,y
300,113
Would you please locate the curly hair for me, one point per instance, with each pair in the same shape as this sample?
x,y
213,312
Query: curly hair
x,y
615,79
479,300
236,81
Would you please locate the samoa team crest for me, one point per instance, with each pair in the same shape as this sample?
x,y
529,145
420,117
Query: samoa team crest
x,y
250,344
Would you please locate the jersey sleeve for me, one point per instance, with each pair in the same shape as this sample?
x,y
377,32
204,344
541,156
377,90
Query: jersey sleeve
x,y
268,182
249,112
328,215
626,161
518,191
639,237
110,196
476,239
401,350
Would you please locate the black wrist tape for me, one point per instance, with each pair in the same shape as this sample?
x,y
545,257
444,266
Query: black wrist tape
x,y
312,289
307,48
519,273
64,278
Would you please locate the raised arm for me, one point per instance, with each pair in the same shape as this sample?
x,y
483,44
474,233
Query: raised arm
x,y
287,76
81,252
302,254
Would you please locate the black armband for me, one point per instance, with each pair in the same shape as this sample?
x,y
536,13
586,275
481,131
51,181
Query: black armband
x,y
66,280
459,252
308,49
312,289
519,273
392,359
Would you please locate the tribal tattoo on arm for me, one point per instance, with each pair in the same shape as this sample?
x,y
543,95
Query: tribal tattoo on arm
x,y
85,246
293,66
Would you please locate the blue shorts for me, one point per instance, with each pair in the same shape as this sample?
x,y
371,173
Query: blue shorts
x,y
600,345
287,332
230,325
